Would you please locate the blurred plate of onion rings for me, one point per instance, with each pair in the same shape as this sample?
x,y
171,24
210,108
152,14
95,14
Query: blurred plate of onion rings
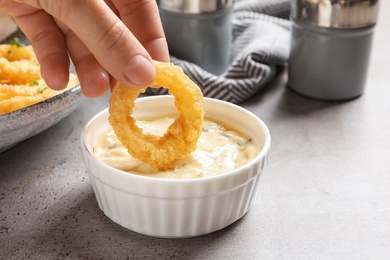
x,y
24,123
27,105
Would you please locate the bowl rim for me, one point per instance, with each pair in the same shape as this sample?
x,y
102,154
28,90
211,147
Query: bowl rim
x,y
263,152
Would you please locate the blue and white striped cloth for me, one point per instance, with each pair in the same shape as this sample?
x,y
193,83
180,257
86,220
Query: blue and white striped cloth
x,y
261,42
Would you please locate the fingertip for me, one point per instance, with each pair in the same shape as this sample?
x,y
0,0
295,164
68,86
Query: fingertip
x,y
55,74
139,72
158,49
95,83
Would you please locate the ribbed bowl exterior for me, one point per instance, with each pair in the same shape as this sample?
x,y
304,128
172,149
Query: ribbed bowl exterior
x,y
174,208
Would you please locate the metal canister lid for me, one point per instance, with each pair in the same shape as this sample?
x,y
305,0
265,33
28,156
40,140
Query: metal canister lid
x,y
336,13
194,6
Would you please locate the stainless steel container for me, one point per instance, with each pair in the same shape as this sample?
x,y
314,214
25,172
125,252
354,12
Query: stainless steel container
x,y
330,47
199,31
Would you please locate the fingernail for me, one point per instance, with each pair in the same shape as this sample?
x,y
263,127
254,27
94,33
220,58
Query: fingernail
x,y
140,70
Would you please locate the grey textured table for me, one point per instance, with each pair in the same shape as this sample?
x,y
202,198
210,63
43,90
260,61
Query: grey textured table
x,y
325,193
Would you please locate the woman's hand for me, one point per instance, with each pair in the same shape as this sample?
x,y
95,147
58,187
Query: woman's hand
x,y
106,40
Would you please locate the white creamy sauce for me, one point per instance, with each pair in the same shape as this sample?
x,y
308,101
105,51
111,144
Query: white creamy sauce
x,y
218,150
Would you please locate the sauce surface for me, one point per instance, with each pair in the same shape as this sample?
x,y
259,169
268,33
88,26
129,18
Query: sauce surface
x,y
220,149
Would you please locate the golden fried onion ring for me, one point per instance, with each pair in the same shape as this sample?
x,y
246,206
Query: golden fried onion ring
x,y
180,139
18,65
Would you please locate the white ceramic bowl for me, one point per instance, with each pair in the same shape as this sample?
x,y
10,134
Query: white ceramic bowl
x,y
179,207
24,123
